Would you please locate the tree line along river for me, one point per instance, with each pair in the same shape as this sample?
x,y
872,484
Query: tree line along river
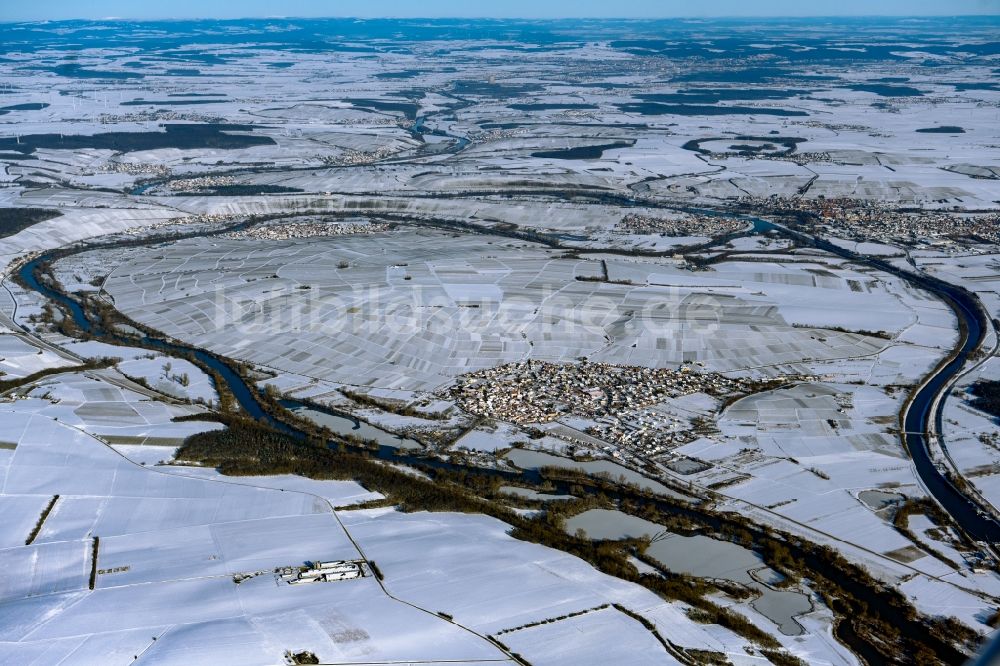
x,y
970,517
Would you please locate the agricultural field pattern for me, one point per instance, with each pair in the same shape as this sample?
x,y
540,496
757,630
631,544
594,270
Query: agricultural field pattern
x,y
551,343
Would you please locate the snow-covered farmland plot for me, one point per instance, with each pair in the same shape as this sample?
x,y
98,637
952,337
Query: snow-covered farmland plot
x,y
409,310
171,544
710,266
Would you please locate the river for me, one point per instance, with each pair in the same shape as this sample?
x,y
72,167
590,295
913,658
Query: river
x,y
964,512
972,518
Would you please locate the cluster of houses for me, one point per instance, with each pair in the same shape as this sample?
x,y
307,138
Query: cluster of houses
x,y
798,158
201,182
542,391
132,169
864,219
875,221
497,135
308,230
207,218
687,225
361,156
159,115
647,432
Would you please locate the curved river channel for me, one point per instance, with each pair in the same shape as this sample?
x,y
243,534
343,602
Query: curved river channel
x,y
974,519
977,522
245,394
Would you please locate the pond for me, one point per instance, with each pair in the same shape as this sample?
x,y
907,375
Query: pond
x,y
528,459
703,557
876,500
350,426
528,493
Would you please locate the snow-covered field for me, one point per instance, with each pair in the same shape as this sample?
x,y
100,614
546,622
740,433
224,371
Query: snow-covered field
x,y
501,166
405,310
172,538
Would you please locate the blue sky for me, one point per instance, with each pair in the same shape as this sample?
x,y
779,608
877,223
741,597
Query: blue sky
x,y
16,10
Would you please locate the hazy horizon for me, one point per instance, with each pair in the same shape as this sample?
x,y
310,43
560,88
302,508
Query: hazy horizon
x,y
511,9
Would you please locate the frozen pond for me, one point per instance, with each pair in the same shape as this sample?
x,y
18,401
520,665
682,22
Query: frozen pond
x,y
527,459
528,493
876,500
607,525
703,557
346,425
